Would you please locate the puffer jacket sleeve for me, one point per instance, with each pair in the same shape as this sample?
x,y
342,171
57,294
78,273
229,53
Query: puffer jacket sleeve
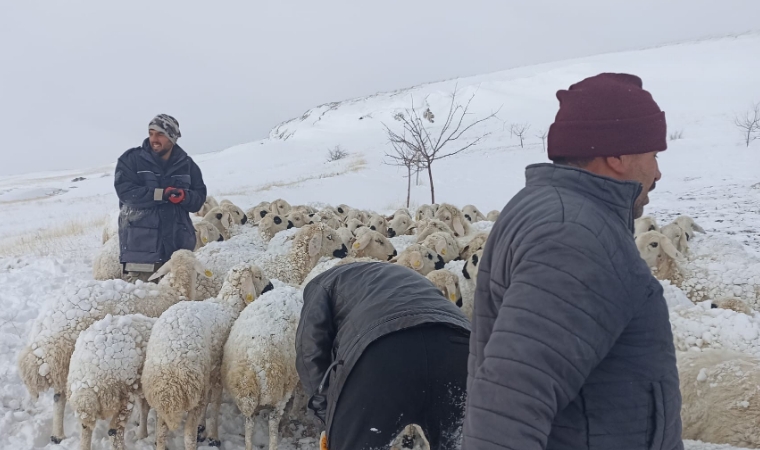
x,y
562,311
314,338
196,195
130,187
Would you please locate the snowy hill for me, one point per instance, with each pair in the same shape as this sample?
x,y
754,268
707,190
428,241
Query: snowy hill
x,y
51,224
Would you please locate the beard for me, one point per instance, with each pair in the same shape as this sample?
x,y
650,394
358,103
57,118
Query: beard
x,y
161,153
641,201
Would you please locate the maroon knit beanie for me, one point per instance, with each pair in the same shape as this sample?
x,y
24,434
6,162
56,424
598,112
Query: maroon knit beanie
x,y
606,115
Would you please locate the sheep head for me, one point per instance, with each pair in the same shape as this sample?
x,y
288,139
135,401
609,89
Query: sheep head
x,y
470,269
472,214
296,219
379,224
677,236
448,283
658,252
428,227
688,225
258,212
181,273
373,244
644,224
280,207
400,225
420,259
453,217
238,216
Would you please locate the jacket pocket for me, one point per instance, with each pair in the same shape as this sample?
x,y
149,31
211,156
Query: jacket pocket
x,y
141,239
150,179
656,429
459,340
181,181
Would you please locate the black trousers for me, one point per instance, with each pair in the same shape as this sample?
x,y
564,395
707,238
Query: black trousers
x,y
414,376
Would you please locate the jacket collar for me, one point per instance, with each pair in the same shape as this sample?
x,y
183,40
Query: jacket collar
x,y
618,196
178,155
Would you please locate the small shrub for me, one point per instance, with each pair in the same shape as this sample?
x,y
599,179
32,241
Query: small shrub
x,y
336,154
676,135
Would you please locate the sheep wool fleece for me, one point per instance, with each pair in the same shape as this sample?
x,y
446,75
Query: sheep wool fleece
x,y
571,344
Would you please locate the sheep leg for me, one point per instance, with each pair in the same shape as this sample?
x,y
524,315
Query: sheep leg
x,y
85,442
249,423
213,419
161,431
274,425
59,407
191,426
116,428
142,430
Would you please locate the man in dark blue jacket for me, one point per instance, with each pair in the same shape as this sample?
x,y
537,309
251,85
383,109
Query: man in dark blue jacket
x,y
158,186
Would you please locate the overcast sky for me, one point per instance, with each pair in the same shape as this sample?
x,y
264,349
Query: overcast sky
x,y
81,79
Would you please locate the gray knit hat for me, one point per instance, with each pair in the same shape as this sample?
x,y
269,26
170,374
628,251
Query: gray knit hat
x,y
166,124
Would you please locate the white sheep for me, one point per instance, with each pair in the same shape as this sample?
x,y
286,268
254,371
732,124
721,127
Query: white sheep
x,y
280,207
688,225
222,220
44,362
644,224
111,228
205,232
259,366
342,211
425,212
472,214
454,218
258,212
720,393
354,224
328,217
183,360
208,205
357,214
426,227
732,303
467,272
104,376
444,244
306,209
677,236
400,225
271,225
728,270
472,245
411,438
310,243
238,215
378,223
419,258
493,215
448,283
296,218
106,265
373,244
347,236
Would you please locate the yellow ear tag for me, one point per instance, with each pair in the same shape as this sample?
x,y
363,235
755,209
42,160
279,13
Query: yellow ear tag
x,y
357,245
204,240
453,297
417,264
249,298
443,252
323,441
209,273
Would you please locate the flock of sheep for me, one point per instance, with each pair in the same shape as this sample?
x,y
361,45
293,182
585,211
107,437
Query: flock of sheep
x,y
223,317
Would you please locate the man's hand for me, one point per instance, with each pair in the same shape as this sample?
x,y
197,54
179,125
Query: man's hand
x,y
174,195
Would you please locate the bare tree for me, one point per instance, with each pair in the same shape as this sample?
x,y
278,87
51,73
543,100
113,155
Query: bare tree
x,y
749,124
542,134
336,153
519,129
407,157
429,145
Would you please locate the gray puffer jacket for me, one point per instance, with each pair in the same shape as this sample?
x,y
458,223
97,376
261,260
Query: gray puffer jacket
x,y
348,307
571,346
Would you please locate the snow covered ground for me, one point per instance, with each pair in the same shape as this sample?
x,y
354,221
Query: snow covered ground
x,y
52,225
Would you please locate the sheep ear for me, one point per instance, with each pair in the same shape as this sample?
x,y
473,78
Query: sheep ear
x,y
362,242
440,248
163,270
697,227
670,249
457,222
202,270
452,291
415,259
315,244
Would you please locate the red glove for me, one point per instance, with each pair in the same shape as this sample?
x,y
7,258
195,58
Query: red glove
x,y
174,195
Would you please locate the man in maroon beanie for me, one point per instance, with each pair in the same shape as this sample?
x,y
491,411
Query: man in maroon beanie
x,y
571,346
